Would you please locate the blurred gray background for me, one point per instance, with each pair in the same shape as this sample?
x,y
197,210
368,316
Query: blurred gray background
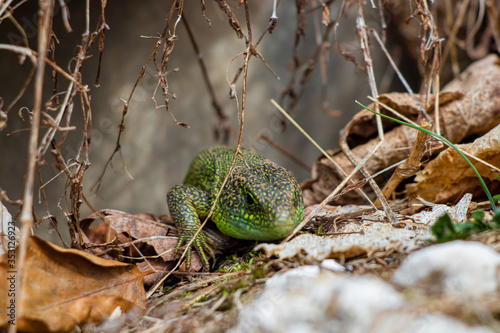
x,y
156,151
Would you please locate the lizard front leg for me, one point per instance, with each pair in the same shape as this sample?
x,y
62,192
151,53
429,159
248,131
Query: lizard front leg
x,y
188,206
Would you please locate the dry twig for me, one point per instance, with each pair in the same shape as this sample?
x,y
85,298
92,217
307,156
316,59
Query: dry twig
x,y
44,22
411,164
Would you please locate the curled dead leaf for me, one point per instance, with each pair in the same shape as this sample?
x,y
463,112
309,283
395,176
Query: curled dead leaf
x,y
66,287
137,238
448,176
468,107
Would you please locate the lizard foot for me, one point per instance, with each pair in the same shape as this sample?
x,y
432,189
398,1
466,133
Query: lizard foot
x,y
202,244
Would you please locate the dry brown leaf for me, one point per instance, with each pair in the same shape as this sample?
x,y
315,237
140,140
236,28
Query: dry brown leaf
x,y
66,287
128,227
137,226
469,106
448,176
395,148
157,239
159,266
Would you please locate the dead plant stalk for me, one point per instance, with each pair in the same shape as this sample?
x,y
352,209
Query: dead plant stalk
x,y
410,166
46,8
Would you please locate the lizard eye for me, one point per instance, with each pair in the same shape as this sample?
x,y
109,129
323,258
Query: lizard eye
x,y
249,200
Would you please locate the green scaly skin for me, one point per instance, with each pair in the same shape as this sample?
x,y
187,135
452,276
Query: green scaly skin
x,y
261,200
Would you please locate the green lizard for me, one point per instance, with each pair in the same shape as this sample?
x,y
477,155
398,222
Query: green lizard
x,y
261,200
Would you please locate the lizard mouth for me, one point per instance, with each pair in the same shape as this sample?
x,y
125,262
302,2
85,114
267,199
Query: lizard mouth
x,y
264,230
276,229
283,225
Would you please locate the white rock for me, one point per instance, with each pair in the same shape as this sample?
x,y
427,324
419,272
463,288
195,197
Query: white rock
x,y
458,268
433,323
457,213
279,300
360,301
409,321
309,300
293,278
332,265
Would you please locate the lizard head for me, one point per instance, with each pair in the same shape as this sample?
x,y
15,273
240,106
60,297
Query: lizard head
x,y
259,202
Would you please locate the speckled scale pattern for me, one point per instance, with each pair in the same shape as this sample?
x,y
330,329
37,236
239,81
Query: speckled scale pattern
x,y
261,200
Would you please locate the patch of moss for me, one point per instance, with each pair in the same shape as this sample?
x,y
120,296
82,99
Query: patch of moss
x,y
258,272
202,299
235,263
320,231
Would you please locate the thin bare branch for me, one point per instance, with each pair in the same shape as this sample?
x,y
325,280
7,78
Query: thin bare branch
x,y
46,8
